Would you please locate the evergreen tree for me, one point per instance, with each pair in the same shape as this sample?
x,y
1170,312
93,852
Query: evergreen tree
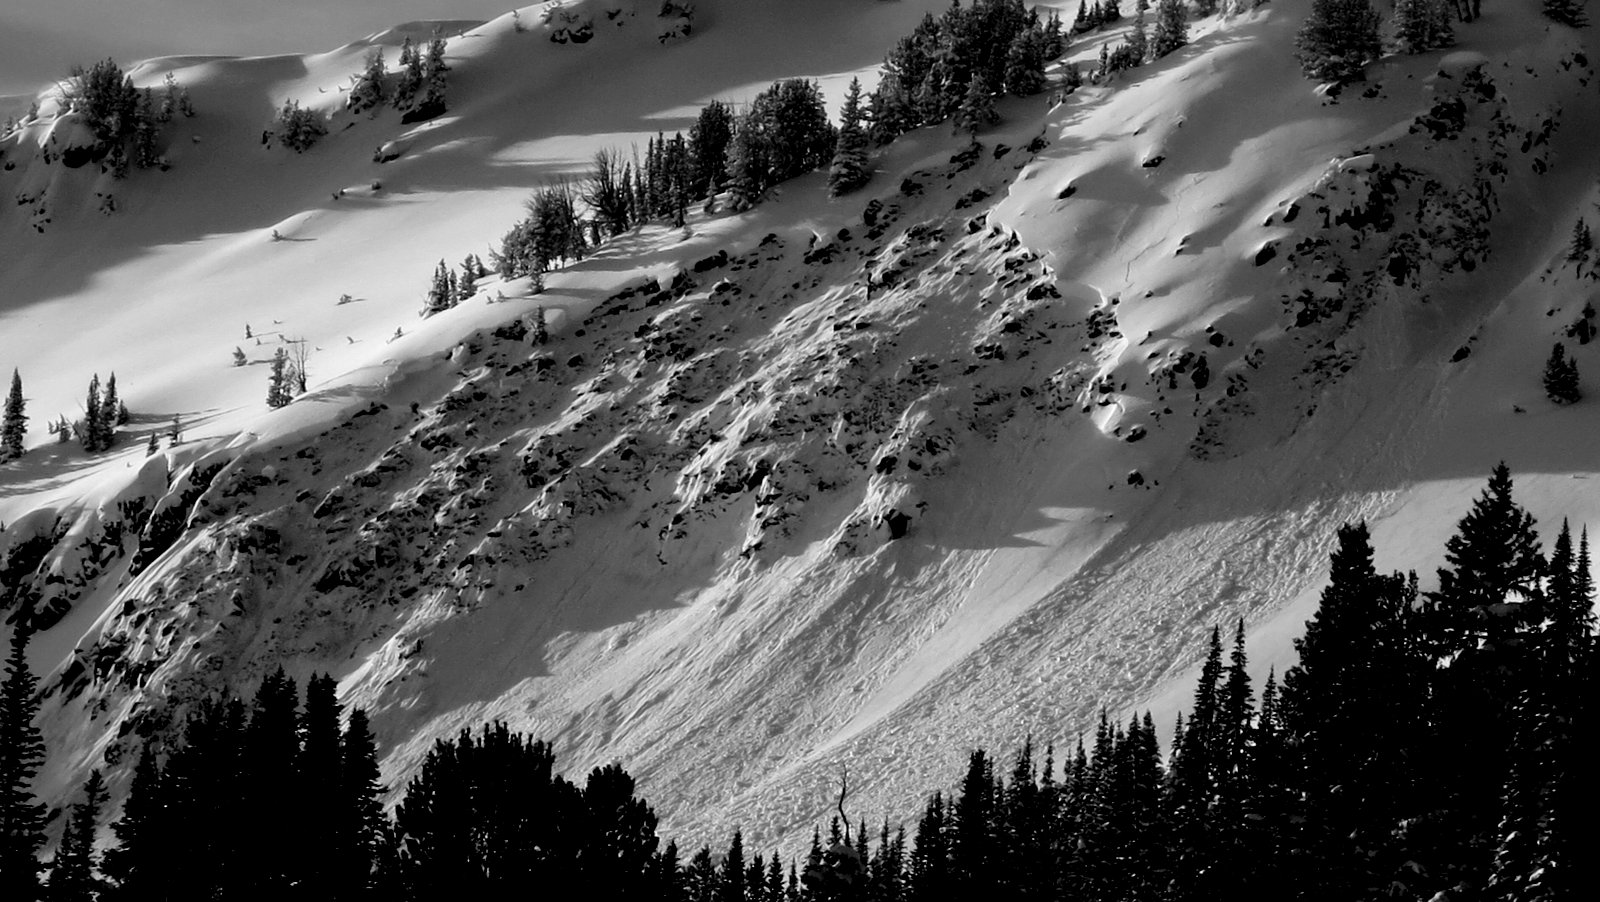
x,y
977,109
1561,377
1025,59
361,823
1422,25
14,425
138,862
110,413
1338,39
849,170
1581,246
1567,12
21,753
1172,28
410,76
278,381
322,807
92,429
434,71
367,89
73,876
1138,38
708,140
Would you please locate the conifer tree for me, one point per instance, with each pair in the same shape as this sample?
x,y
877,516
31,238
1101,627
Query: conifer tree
x,y
361,823
410,76
74,874
278,381
91,434
1138,38
1581,246
1338,39
1025,63
977,109
22,818
1422,25
539,331
708,141
434,69
367,89
110,413
137,863
1172,28
14,425
1561,377
320,803
1567,12
849,170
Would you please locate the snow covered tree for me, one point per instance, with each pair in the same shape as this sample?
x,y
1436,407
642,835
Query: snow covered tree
x,y
977,108
849,170
367,89
278,380
14,426
1338,39
1025,61
1138,35
1422,25
22,818
1172,28
434,81
410,76
467,285
239,358
299,128
1567,12
1561,377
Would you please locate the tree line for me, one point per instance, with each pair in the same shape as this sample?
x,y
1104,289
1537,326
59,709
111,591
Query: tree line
x,y
1427,745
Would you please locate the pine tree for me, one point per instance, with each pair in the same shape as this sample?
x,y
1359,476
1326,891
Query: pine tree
x,y
239,358
14,426
1338,39
73,876
849,170
411,76
278,381
367,88
977,109
1561,377
138,863
90,436
1172,28
1567,12
110,412
1138,38
434,71
1422,25
708,142
1581,246
1025,63
361,823
152,446
21,753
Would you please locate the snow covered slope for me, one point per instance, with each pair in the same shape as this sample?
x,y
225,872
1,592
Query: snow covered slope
x,y
1123,369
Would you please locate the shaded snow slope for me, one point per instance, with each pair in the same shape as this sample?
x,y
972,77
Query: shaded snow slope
x,y
1121,371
